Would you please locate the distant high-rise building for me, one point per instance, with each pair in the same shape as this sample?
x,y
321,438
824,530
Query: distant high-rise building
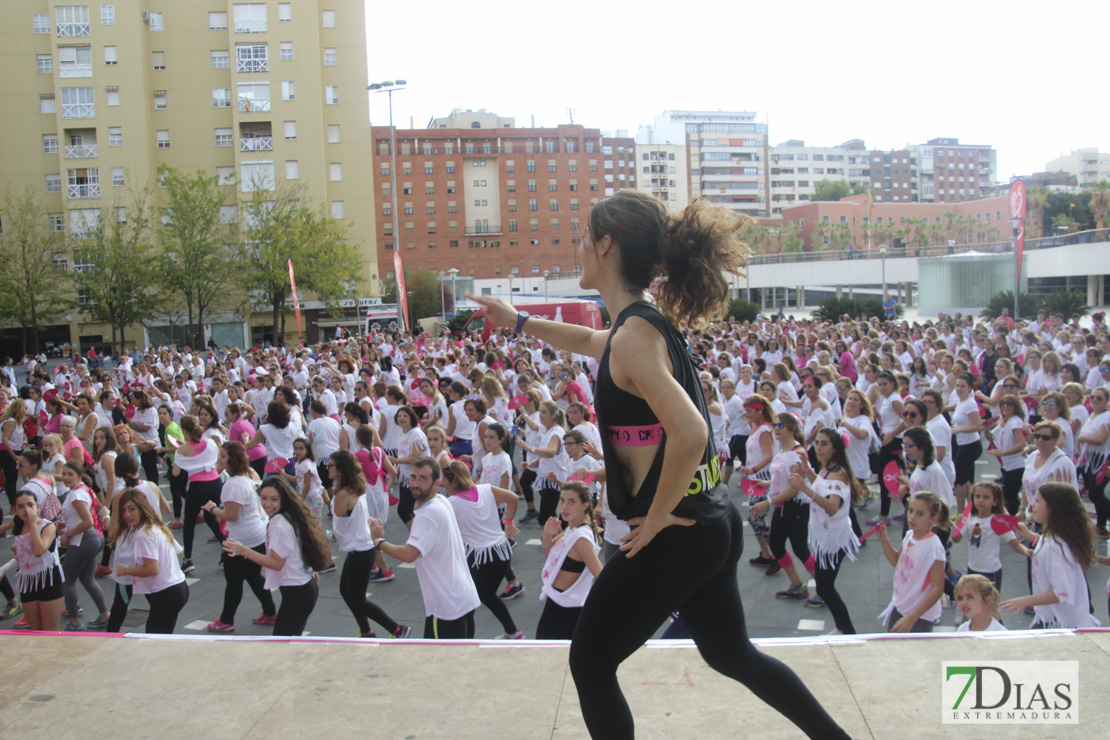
x,y
662,172
940,171
796,169
1089,165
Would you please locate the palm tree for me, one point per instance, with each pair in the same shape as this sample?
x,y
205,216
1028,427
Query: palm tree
x,y
1037,199
950,231
1100,202
1064,222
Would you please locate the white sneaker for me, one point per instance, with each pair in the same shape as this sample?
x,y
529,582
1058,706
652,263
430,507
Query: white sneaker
x,y
518,635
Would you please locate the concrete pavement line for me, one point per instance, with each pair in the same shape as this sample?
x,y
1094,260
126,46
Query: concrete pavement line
x,y
559,704
852,691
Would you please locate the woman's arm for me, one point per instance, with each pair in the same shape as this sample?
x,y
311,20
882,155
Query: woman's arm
x,y
510,501
1097,439
41,541
86,522
6,434
551,450
767,445
585,552
975,426
892,554
571,337
150,567
270,560
857,432
229,513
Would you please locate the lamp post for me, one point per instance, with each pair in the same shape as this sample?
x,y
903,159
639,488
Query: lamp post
x,y
1017,223
882,254
545,274
454,273
442,299
388,88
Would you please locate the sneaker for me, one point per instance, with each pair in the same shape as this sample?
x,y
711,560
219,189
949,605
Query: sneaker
x,y
866,501
188,567
11,609
176,524
97,624
71,627
815,603
381,576
65,612
773,569
330,568
518,635
369,635
22,624
212,540
265,619
761,562
794,592
897,517
529,516
874,522
102,571
512,591
402,632
219,626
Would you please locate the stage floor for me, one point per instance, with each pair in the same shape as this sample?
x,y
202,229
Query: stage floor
x,y
92,686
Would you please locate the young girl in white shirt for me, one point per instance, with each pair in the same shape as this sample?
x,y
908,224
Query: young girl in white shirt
x,y
572,563
147,554
918,567
307,479
977,599
983,541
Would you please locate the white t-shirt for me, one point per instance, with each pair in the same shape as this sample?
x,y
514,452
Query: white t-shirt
x,y
480,524
961,417
307,469
889,418
558,463
282,540
250,527
933,478
445,582
942,437
858,448
1003,436
70,515
152,544
1056,569
413,443
324,433
352,532
495,465
983,545
279,442
1057,463
911,576
994,626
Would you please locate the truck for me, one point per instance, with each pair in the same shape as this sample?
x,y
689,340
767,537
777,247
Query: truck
x,y
567,311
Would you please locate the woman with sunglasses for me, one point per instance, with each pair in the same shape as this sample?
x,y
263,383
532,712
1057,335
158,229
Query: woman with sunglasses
x,y
940,429
817,414
1009,447
1054,407
1094,455
1047,463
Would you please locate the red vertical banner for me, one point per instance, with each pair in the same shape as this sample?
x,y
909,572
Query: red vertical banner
x,y
402,293
1017,210
296,302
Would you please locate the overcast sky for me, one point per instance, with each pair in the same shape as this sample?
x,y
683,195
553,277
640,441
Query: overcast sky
x,y
888,73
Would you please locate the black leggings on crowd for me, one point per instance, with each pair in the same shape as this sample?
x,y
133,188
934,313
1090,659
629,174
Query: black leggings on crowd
x,y
406,504
886,454
165,605
237,570
691,570
119,607
825,578
737,449
527,479
790,521
1097,494
6,589
178,484
353,580
11,477
487,577
1011,489
149,461
449,629
259,466
557,622
297,603
200,493
549,501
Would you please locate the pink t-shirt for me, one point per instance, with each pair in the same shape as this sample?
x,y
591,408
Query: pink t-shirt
x,y
241,427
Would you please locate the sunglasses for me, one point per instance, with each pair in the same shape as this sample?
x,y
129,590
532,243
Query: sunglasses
x,y
909,414
778,425
1049,405
1042,436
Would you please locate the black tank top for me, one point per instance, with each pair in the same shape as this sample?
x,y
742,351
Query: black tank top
x,y
628,419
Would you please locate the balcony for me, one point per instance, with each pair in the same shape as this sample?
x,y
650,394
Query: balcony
x,y
483,230
257,144
81,151
73,29
252,65
87,190
78,110
250,26
254,105
66,70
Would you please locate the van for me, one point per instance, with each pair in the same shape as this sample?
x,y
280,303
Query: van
x,y
581,312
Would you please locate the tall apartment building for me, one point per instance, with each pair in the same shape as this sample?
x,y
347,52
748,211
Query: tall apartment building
x,y
663,173
97,96
1089,165
940,171
493,201
796,169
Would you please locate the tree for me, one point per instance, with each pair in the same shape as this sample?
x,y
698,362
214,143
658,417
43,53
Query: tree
x,y
426,298
34,287
830,190
115,269
757,237
1100,202
860,189
1005,299
1037,199
195,245
1065,302
279,225
790,238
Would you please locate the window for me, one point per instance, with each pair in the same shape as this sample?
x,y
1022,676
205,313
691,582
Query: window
x,y
160,102
532,205
117,177
224,137
158,59
250,17
531,165
156,22
217,21
229,214
335,172
73,20
115,136
77,102
531,186
292,171
288,91
431,227
53,183
331,95
75,61
285,12
49,143
254,97
225,175
253,58
290,129
45,64
111,96
551,165
328,18
221,97
452,207
57,221
47,104
257,176
109,55
430,208
221,60
552,186
163,138
512,224
337,210
329,57
40,22
450,168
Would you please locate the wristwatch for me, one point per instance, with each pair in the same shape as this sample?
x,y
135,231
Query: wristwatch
x,y
521,317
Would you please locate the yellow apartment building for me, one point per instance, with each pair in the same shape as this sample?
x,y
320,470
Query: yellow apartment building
x,y
93,98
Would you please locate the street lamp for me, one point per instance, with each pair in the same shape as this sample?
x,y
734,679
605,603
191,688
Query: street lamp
x,y
454,273
882,253
1017,223
545,274
388,88
442,299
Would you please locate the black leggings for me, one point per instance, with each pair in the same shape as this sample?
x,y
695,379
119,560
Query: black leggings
x,y
237,570
737,449
549,501
119,607
886,454
527,478
791,521
149,461
406,504
487,577
165,605
259,466
557,622
6,589
11,477
297,602
353,580
691,570
178,484
1096,492
200,493
449,629
1011,489
826,590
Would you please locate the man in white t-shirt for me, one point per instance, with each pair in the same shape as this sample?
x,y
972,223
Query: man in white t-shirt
x,y
436,546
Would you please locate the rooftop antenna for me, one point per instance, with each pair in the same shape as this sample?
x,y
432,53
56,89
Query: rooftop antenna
x,y
570,114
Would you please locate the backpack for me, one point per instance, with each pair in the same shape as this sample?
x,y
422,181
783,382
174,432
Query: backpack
x,y
51,507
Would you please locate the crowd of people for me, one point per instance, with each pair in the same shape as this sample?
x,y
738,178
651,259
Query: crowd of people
x,y
622,446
